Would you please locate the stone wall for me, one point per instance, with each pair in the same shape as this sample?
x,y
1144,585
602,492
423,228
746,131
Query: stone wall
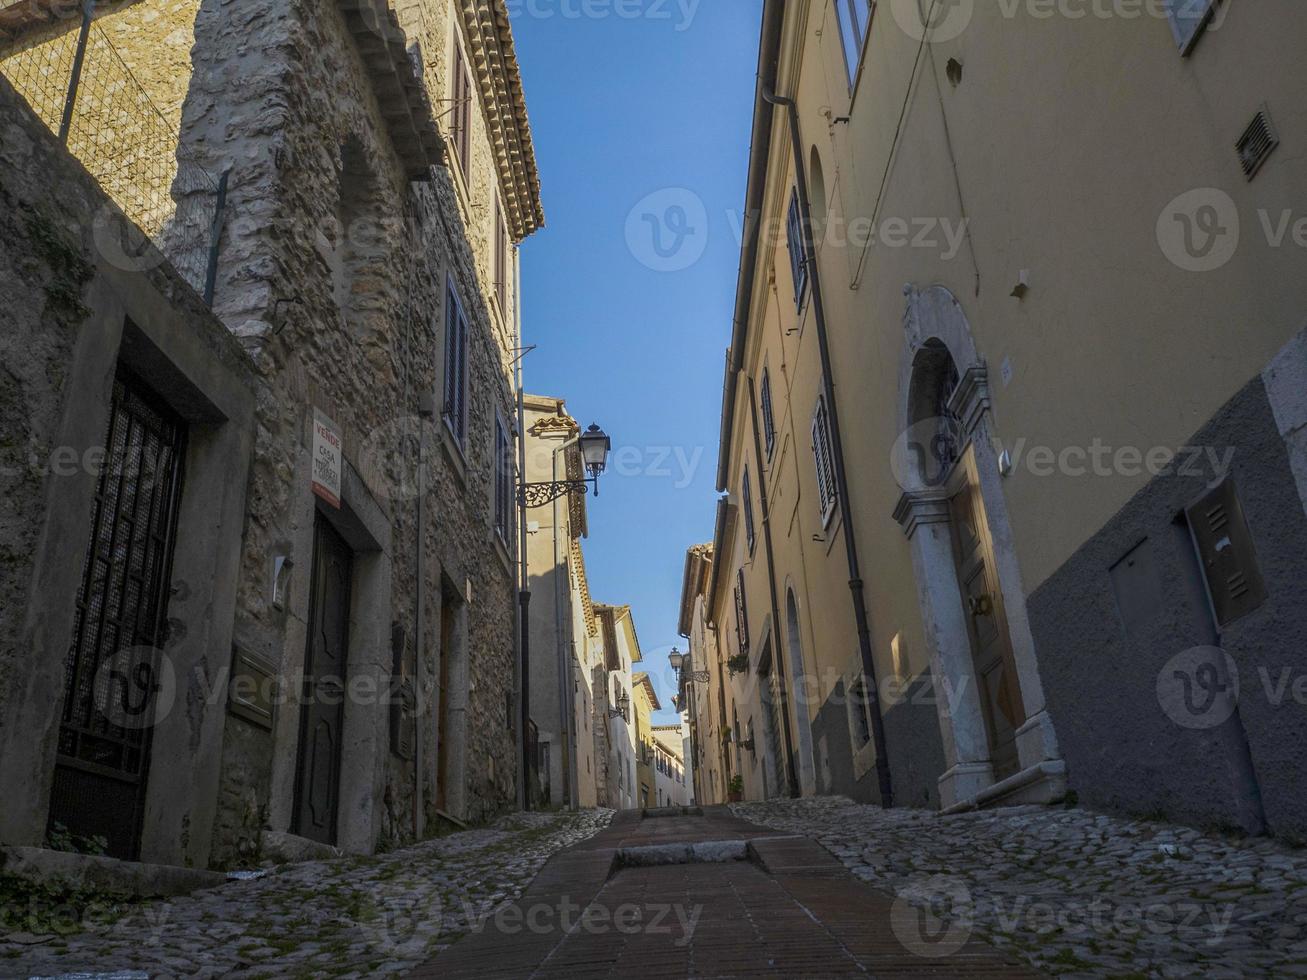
x,y
302,128
75,313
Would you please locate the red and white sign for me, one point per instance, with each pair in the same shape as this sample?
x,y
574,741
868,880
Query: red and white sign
x,y
326,459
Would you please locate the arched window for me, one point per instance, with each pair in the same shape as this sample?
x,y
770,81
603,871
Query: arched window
x,y
937,436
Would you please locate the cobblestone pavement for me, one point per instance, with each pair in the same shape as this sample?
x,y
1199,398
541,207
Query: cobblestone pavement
x,y
701,894
1071,892
355,917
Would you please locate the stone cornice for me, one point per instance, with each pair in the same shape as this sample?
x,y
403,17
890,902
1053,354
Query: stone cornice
x,y
494,58
970,400
583,586
401,94
920,507
555,424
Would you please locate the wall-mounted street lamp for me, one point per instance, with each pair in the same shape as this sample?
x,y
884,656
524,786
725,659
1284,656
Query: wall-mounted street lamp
x,y
623,706
681,662
595,447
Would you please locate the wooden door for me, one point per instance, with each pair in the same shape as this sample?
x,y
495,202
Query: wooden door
x,y
991,645
326,663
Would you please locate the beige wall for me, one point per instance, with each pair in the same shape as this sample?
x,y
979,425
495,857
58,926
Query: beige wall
x,y
1065,140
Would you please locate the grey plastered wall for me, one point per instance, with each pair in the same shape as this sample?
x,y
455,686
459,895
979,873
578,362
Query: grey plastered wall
x,y
1123,750
69,313
836,773
916,753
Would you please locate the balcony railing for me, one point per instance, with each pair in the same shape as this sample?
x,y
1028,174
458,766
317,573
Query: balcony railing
x,y
81,87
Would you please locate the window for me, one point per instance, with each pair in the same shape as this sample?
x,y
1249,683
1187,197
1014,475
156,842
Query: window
x,y
741,614
859,719
1188,19
460,119
824,460
853,17
503,481
768,419
455,367
503,270
746,492
798,250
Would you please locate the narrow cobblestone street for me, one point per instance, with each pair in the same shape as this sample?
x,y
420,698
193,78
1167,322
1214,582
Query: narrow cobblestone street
x,y
355,917
1073,892
818,887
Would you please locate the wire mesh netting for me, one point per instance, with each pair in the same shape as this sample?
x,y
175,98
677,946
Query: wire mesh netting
x,y
128,145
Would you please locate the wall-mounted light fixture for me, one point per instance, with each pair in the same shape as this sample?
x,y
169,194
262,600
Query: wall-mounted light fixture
x,y
282,566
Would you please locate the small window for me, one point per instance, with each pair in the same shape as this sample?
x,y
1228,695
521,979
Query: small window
x,y
854,16
1188,20
455,367
824,460
461,114
768,419
746,493
798,250
503,481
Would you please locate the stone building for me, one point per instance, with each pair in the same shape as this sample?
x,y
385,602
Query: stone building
x,y
644,702
614,722
341,624
564,633
673,781
969,554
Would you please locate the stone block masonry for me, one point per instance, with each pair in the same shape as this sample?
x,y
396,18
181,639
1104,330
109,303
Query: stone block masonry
x,y
356,288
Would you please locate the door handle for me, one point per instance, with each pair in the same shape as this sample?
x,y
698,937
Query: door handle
x,y
980,605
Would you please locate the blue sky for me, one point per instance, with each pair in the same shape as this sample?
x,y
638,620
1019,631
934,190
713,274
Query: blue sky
x,y
622,108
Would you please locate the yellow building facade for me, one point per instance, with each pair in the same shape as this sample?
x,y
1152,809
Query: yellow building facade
x,y
1009,439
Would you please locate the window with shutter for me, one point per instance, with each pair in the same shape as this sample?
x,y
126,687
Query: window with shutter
x,y
461,116
824,461
746,492
741,614
798,251
768,420
502,270
503,481
1188,18
455,366
854,16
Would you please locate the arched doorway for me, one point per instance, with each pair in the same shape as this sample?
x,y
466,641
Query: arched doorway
x,y
998,738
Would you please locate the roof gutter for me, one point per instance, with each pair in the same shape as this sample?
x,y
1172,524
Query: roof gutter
x,y
759,151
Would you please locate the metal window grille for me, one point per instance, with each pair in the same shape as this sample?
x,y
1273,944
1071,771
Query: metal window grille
x,y
112,670
108,121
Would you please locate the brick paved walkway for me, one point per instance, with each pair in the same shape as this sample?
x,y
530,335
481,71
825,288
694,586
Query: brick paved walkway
x,y
707,895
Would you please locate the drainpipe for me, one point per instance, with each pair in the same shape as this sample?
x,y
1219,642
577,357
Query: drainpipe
x,y
524,591
837,448
778,655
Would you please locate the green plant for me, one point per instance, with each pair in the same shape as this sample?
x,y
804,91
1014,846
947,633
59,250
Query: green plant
x,y
60,838
736,785
739,664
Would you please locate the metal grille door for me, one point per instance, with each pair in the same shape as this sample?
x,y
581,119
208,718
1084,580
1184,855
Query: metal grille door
x,y
112,671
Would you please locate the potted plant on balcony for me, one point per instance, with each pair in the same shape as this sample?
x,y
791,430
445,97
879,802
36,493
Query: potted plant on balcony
x,y
735,789
739,664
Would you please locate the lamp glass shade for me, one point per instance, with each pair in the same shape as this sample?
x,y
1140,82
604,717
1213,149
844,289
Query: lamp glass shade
x,y
595,446
676,659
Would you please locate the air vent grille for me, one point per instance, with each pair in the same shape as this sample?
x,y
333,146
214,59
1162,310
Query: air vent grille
x,y
1256,144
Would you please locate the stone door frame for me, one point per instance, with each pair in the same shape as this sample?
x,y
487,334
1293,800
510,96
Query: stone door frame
x,y
933,316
